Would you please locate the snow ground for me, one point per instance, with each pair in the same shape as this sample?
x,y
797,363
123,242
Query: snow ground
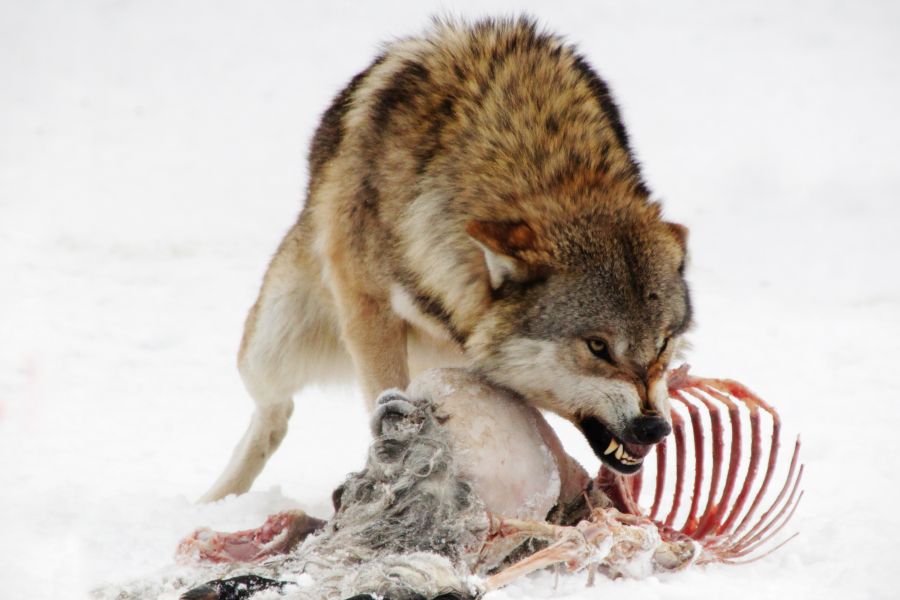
x,y
151,154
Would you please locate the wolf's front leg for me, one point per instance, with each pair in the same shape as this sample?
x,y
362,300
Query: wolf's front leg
x,y
376,339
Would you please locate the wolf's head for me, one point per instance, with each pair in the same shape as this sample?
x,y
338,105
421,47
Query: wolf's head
x,y
586,315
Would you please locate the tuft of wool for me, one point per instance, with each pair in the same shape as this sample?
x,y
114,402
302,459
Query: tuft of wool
x,y
405,524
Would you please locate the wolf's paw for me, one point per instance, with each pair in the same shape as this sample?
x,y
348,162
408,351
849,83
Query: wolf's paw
x,y
391,408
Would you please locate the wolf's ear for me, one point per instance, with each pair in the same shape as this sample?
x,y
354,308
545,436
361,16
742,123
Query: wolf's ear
x,y
503,243
681,234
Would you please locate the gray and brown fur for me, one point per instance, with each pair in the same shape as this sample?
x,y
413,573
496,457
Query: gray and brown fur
x,y
472,200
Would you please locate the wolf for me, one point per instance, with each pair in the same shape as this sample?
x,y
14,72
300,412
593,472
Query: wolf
x,y
473,200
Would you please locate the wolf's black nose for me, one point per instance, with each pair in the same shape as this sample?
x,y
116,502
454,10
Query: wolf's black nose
x,y
649,430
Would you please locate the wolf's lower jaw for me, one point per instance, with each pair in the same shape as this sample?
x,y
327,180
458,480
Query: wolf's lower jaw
x,y
619,456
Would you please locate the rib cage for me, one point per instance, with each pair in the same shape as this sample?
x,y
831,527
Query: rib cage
x,y
727,525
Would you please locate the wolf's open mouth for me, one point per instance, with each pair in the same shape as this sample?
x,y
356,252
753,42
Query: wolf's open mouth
x,y
624,457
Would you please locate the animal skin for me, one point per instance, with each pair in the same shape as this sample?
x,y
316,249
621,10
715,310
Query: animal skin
x,y
473,200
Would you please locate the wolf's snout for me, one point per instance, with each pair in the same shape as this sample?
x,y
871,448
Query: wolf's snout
x,y
648,430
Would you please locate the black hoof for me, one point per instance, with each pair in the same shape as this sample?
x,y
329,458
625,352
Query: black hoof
x,y
391,407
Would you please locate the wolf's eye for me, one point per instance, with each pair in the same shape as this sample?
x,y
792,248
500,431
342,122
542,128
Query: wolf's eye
x,y
599,349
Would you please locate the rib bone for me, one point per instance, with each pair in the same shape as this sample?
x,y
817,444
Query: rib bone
x,y
727,531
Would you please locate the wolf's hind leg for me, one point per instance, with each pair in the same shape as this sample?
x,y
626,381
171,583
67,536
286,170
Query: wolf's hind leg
x,y
291,338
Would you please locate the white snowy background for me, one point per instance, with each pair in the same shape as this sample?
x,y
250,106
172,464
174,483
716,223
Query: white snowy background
x,y
152,154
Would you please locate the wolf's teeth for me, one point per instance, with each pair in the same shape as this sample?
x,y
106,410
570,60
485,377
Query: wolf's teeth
x,y
620,452
613,444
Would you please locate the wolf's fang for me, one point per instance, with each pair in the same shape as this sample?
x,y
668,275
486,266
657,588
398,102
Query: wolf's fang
x,y
612,447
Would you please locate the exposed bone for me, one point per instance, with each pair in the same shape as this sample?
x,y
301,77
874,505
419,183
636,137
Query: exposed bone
x,y
680,462
622,543
722,528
